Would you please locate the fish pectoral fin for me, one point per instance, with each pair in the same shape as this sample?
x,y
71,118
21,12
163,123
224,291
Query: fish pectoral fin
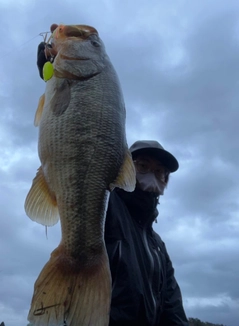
x,y
40,204
39,110
61,98
127,176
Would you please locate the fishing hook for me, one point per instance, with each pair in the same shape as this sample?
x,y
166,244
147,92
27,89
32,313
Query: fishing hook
x,y
47,41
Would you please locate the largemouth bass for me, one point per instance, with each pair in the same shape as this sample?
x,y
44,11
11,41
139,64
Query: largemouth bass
x,y
84,155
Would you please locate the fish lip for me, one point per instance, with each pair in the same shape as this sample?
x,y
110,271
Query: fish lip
x,y
65,57
78,31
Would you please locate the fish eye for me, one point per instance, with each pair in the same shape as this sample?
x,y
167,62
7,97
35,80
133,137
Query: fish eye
x,y
95,43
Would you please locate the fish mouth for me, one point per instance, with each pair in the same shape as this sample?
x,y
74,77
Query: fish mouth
x,y
75,31
62,33
65,57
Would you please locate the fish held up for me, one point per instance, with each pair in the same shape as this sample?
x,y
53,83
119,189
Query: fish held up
x,y
84,155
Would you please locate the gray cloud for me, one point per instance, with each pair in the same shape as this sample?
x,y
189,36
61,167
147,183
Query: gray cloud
x,y
178,66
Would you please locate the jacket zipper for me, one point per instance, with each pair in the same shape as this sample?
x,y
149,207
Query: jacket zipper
x,y
151,272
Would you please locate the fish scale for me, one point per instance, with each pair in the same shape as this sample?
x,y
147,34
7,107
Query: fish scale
x,y
84,155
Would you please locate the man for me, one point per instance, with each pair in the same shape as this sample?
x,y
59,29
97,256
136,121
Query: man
x,y
144,289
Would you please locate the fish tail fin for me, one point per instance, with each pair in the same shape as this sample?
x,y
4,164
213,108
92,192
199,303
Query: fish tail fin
x,y
67,294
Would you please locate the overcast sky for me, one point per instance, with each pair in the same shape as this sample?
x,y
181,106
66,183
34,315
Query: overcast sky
x,y
178,63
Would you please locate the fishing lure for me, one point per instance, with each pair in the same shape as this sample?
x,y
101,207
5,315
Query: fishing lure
x,y
48,69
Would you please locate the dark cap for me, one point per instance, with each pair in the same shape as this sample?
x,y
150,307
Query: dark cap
x,y
154,149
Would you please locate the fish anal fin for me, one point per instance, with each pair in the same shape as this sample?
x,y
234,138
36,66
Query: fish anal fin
x,y
66,291
127,176
39,110
40,203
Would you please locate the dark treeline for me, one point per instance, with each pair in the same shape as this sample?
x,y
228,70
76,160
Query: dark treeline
x,y
198,322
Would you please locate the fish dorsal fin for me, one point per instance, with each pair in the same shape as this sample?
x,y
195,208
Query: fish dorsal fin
x,y
127,176
39,110
40,204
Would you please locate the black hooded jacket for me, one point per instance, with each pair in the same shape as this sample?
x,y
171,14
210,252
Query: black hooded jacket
x,y
145,292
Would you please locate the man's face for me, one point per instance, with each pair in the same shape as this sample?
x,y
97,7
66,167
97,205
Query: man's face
x,y
151,175
145,164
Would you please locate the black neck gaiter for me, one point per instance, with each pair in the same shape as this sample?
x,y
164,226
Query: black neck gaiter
x,y
142,205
